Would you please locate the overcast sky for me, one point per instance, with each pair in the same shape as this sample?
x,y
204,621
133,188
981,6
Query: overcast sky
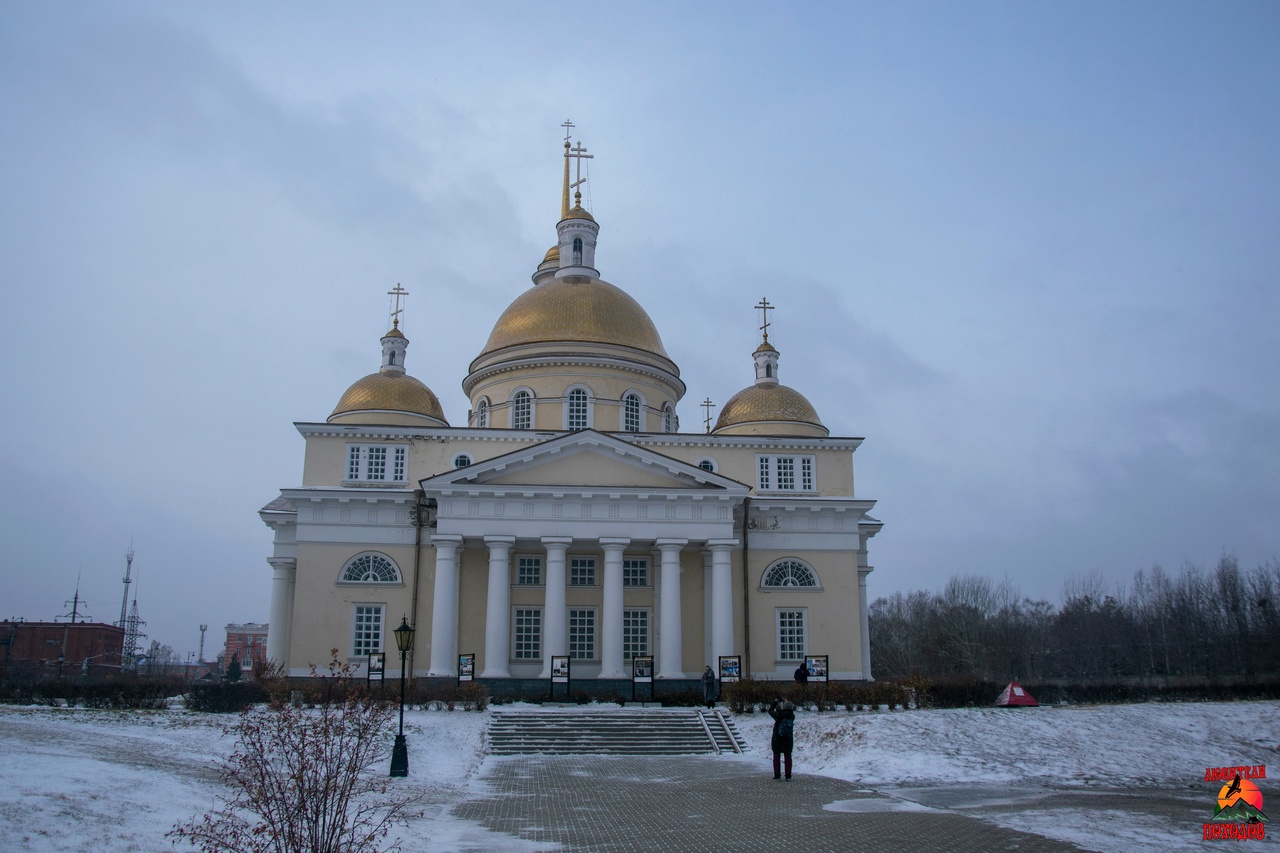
x,y
1028,251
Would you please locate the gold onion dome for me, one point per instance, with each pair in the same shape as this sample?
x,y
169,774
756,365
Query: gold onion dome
x,y
578,309
390,392
767,403
579,213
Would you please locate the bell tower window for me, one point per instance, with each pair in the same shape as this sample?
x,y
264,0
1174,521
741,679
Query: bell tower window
x,y
577,251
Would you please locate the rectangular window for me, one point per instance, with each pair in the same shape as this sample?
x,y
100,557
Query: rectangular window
x,y
369,462
791,635
635,571
527,636
521,414
582,571
786,474
582,634
366,637
528,571
635,633
577,409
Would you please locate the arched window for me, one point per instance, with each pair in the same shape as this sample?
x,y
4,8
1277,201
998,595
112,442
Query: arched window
x,y
521,410
707,464
391,357
789,573
631,413
482,413
462,460
768,371
577,251
578,410
668,419
370,568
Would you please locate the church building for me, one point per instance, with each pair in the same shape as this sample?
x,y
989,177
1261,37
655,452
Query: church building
x,y
570,515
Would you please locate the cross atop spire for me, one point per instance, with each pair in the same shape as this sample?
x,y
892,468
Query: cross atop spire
x,y
765,308
578,153
707,405
397,292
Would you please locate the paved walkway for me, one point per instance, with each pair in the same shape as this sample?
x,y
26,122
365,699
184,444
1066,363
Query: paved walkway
x,y
691,803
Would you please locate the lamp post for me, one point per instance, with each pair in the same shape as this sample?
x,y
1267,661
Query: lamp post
x,y
400,755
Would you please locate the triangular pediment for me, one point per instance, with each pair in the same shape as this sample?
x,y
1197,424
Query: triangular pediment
x,y
584,460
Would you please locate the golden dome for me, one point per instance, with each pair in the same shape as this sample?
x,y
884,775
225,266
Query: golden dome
x,y
771,402
394,333
575,308
765,346
391,392
579,213
553,254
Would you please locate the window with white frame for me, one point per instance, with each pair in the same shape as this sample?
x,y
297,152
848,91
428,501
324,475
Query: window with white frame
x,y
366,633
528,571
370,568
582,634
785,473
792,635
789,573
482,413
527,637
668,418
707,464
462,460
635,633
635,571
522,410
578,410
582,571
377,463
631,413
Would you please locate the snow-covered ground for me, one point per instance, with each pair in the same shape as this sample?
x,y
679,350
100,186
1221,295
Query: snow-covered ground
x,y
76,779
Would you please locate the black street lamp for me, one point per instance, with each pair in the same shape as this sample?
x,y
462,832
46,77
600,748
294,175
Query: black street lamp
x,y
400,755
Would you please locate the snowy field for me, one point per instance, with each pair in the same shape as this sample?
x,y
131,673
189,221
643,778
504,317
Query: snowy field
x,y
76,779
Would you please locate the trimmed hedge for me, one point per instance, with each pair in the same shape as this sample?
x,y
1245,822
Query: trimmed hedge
x,y
225,697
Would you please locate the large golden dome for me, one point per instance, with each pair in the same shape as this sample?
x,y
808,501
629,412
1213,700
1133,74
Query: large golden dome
x,y
390,392
770,403
575,308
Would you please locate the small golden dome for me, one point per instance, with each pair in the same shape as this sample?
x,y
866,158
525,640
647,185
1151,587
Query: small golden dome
x,y
772,403
579,213
394,333
765,346
575,308
391,392
553,254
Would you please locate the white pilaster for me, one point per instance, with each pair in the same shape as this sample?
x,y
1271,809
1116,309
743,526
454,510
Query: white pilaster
x,y
611,615
721,599
497,624
864,623
555,616
278,633
444,607
670,650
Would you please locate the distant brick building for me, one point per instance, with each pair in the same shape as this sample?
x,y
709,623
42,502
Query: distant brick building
x,y
53,649
248,642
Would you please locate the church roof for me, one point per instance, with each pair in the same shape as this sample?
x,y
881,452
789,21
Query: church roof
x,y
767,403
577,309
394,392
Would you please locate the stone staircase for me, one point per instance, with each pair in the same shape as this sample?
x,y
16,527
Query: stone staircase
x,y
674,731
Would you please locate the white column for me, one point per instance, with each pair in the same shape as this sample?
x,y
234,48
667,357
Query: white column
x,y
497,624
721,599
444,607
279,628
611,609
864,623
670,660
555,618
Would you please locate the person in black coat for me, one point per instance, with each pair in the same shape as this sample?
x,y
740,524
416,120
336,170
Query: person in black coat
x,y
783,739
709,687
802,673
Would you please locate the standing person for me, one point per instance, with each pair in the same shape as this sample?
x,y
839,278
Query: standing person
x,y
802,673
784,719
709,687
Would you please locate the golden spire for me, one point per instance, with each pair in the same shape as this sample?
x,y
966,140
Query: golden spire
x,y
564,197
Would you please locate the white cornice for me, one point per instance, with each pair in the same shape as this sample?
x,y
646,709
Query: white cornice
x,y
575,359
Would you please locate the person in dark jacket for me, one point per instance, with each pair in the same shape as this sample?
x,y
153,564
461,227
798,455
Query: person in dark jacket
x,y
784,718
802,673
709,687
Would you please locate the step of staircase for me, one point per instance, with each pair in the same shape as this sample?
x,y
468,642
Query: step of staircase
x,y
676,731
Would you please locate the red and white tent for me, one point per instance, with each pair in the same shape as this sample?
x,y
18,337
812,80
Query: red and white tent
x,y
1015,697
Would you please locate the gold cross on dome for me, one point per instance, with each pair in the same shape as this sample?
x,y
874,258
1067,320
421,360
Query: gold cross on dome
x,y
765,308
708,405
397,292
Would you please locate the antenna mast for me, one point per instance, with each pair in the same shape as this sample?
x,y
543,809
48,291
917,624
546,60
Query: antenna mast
x,y
132,628
128,567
